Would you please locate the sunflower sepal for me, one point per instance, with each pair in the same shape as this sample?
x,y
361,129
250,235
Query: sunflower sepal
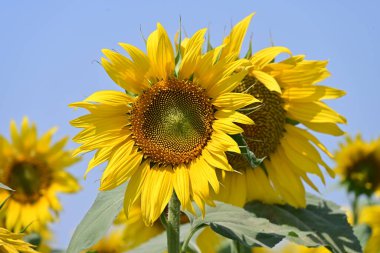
x,y
246,152
5,187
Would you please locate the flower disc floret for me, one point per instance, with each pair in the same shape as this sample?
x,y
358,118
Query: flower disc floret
x,y
172,122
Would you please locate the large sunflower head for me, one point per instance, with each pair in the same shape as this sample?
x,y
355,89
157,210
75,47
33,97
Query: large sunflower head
x,y
358,165
170,129
35,169
290,96
12,242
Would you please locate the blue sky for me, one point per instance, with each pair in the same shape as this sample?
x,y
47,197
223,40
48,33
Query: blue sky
x,y
50,49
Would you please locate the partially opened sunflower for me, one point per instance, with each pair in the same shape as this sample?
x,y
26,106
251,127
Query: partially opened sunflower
x,y
169,130
35,169
290,104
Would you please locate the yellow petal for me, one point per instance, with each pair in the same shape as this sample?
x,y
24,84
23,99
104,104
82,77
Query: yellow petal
x,y
101,156
233,116
309,136
181,184
160,53
156,193
267,80
326,128
121,166
192,54
233,101
315,112
123,71
138,56
227,84
265,56
110,97
234,40
226,126
217,160
135,186
291,189
311,93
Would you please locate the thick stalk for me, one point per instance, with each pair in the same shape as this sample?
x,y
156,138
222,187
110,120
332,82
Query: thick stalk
x,y
172,231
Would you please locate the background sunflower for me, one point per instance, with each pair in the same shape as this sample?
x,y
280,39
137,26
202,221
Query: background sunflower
x,y
35,169
358,165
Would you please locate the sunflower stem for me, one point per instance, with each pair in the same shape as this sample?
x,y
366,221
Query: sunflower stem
x,y
172,231
355,209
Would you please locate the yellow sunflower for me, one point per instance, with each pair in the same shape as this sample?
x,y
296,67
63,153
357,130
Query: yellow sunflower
x,y
35,169
112,243
290,96
370,215
135,231
170,130
291,248
358,165
13,243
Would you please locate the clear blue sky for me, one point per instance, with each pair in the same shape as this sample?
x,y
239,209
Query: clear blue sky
x,y
49,52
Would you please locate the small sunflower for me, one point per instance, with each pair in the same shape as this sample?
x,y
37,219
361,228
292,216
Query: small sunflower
x,y
289,96
134,226
358,164
11,242
170,130
112,243
35,169
370,215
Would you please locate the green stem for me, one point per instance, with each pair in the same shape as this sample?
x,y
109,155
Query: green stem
x,y
355,211
172,231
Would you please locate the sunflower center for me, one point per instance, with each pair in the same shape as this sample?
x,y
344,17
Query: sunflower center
x,y
172,121
27,179
270,118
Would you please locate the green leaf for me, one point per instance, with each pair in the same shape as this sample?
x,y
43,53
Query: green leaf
x,y
321,223
3,186
363,233
158,244
323,220
98,219
239,224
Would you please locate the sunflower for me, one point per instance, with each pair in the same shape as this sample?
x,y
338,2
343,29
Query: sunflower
x,y
291,248
370,215
170,130
112,243
358,165
134,226
290,97
11,242
35,169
